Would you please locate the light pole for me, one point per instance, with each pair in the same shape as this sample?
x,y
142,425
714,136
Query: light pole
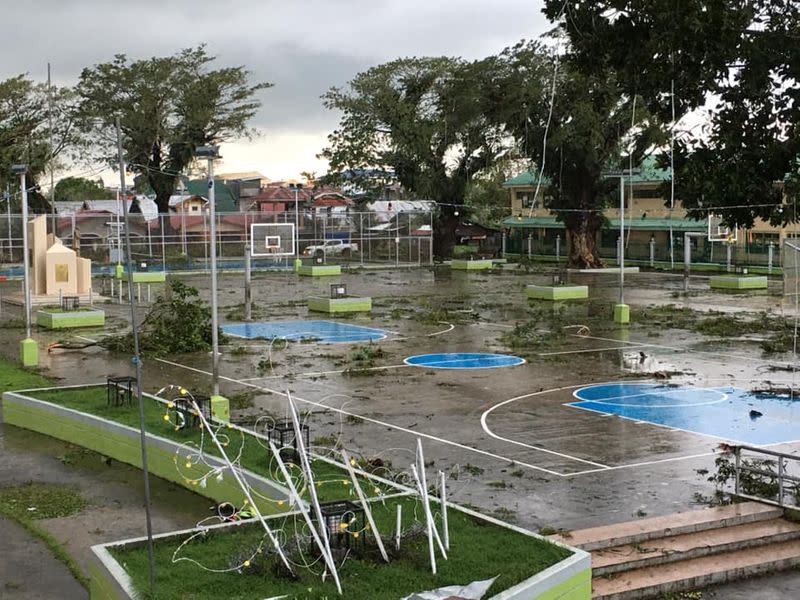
x,y
28,349
211,153
296,187
622,312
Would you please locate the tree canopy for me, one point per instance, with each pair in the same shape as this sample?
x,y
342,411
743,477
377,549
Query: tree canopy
x,y
25,131
80,188
420,120
167,107
742,55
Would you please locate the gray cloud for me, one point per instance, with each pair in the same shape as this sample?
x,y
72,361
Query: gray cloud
x,y
303,47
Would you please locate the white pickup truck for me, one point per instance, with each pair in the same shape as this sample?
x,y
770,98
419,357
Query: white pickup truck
x,y
331,248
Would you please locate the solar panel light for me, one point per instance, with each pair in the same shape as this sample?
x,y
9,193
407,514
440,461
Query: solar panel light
x,y
19,169
207,152
338,290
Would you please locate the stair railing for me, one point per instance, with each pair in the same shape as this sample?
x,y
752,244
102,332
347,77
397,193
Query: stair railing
x,y
755,479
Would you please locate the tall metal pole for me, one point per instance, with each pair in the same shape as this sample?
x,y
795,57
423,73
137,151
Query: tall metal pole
x,y
214,318
622,239
25,260
137,361
296,224
52,146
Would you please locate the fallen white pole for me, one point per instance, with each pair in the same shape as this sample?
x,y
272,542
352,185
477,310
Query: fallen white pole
x,y
312,489
326,554
443,501
399,526
364,505
276,544
423,484
427,525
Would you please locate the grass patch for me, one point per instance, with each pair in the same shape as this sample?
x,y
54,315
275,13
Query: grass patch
x,y
92,400
13,377
49,501
362,358
40,501
479,550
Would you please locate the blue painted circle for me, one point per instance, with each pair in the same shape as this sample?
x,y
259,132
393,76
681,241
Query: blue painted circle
x,y
325,332
464,360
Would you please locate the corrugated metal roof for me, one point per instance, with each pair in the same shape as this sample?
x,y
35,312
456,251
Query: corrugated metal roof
x,y
649,173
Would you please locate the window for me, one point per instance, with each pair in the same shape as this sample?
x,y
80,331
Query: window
x,y
62,273
194,208
526,200
649,192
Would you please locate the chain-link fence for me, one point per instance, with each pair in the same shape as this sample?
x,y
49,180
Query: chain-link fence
x,y
181,241
654,252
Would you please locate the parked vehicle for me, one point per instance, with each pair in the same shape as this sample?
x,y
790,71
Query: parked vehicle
x,y
331,248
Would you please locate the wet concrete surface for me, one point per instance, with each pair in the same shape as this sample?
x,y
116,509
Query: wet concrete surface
x,y
536,462
29,571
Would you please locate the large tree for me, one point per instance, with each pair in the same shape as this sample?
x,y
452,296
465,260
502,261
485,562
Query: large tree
x,y
740,56
590,125
419,120
167,106
26,114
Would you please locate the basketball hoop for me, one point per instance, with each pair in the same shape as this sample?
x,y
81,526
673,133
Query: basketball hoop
x,y
272,239
719,232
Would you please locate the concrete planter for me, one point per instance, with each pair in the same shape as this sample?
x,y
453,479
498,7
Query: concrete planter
x,y
557,292
121,443
319,270
340,305
70,319
145,276
570,579
736,282
470,265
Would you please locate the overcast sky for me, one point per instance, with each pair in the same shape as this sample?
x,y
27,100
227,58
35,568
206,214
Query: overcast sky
x,y
302,46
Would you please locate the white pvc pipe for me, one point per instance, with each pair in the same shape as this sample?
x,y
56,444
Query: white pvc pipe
x,y
364,504
443,500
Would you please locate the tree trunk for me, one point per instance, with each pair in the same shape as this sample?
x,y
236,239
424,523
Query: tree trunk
x,y
582,230
445,235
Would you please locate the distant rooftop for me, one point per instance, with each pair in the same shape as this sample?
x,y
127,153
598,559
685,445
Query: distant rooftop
x,y
649,173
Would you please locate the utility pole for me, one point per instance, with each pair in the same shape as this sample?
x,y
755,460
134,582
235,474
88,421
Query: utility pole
x,y
137,361
52,148
29,350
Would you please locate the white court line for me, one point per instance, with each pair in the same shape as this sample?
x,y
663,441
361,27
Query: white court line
x,y
448,330
643,463
485,427
318,373
676,349
591,350
371,420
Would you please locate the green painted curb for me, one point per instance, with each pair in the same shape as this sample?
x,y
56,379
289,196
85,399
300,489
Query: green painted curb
x,y
29,352
319,270
557,292
470,265
340,305
733,282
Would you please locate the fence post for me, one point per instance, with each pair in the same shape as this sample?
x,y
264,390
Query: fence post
x,y
652,251
503,248
737,463
729,252
530,240
558,247
770,249
248,307
780,480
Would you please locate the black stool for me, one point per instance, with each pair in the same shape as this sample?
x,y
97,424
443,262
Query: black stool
x,y
119,390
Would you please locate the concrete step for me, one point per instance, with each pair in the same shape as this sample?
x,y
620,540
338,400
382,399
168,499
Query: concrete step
x,y
692,545
653,582
693,521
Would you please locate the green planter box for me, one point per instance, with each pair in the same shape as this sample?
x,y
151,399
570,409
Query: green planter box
x,y
736,282
145,276
558,292
319,270
470,265
69,319
340,305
